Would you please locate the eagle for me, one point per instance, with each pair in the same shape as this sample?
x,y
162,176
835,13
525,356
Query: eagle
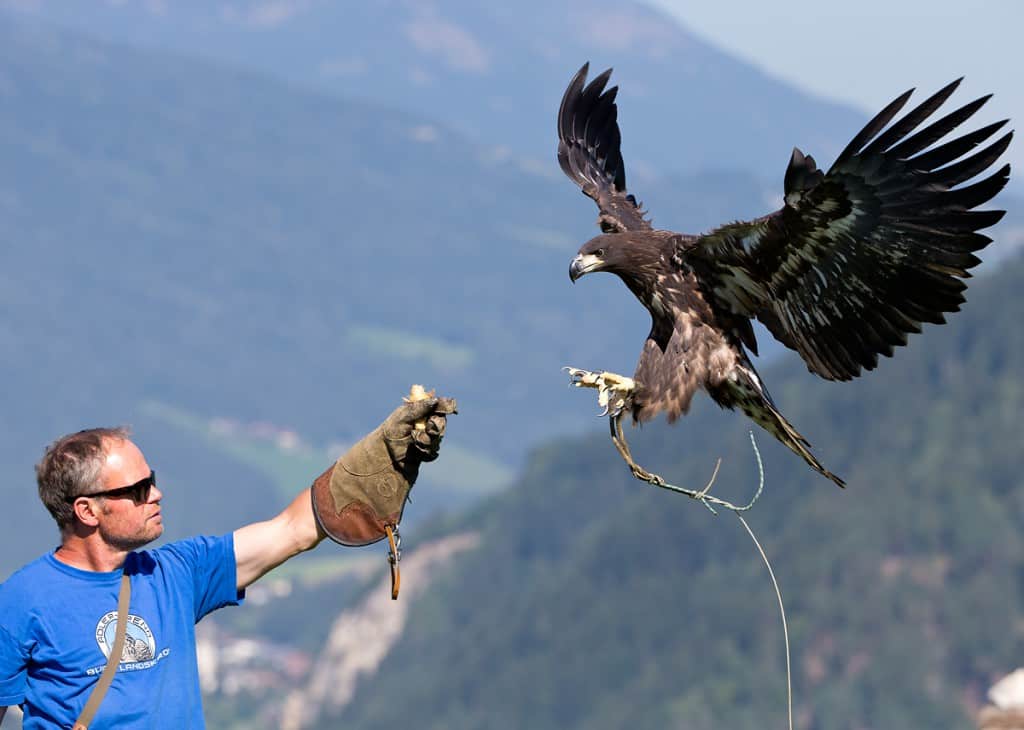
x,y
855,260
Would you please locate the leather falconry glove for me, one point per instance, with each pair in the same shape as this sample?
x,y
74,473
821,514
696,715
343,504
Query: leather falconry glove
x,y
358,499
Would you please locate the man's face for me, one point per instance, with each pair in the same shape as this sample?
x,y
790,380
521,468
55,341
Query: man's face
x,y
123,523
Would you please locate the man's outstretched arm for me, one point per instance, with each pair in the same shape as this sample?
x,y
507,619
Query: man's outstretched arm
x,y
262,546
355,499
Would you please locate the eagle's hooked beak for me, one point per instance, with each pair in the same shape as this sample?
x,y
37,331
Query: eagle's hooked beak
x,y
583,264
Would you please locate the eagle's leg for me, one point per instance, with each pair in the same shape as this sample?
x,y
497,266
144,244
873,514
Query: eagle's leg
x,y
701,495
619,439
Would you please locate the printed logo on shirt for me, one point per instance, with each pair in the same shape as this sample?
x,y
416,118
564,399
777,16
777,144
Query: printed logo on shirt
x,y
139,645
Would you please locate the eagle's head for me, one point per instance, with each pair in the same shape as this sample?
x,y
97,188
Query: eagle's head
x,y
604,253
632,255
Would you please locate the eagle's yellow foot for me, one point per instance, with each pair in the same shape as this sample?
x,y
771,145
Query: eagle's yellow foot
x,y
614,392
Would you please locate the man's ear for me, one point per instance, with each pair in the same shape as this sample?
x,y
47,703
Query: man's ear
x,y
87,512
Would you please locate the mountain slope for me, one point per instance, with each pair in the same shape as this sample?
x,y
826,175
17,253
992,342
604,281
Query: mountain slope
x,y
496,72
598,602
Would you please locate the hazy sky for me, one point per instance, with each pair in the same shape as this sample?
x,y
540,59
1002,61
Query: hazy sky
x,y
866,52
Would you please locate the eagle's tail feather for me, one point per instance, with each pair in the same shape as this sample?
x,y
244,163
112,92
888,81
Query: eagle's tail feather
x,y
775,423
746,392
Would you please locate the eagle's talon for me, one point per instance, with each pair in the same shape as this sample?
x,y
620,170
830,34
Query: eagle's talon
x,y
579,378
613,412
614,392
645,476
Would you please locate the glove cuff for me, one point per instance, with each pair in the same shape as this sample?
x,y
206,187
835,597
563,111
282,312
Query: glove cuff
x,y
365,490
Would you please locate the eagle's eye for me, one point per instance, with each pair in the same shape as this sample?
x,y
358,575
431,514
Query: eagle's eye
x,y
599,252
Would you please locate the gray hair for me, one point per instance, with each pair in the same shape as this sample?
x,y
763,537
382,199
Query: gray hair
x,y
71,467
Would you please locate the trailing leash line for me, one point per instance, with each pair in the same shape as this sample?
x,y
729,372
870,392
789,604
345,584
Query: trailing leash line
x,y
774,583
782,611
702,496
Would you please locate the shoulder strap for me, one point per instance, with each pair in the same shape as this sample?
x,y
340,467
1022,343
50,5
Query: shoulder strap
x,y
113,659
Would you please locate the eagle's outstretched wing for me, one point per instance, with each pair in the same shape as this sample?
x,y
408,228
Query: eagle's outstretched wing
x,y
588,151
860,256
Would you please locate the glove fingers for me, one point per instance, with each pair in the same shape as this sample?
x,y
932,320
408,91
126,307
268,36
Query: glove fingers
x,y
420,409
416,411
446,406
432,413
423,440
426,445
435,425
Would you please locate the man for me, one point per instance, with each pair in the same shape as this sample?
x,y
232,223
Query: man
x,y
58,614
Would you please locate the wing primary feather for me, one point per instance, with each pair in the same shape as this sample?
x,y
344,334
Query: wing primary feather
x,y
971,166
946,153
846,346
882,324
977,193
571,94
598,121
873,127
963,221
587,103
938,129
911,120
942,200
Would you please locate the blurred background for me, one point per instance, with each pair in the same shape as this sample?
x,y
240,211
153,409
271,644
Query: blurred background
x,y
245,228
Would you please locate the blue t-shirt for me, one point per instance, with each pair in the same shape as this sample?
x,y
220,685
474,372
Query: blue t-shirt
x,y
57,625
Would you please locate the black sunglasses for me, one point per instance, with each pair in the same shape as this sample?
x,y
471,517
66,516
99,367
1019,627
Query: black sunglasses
x,y
139,492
